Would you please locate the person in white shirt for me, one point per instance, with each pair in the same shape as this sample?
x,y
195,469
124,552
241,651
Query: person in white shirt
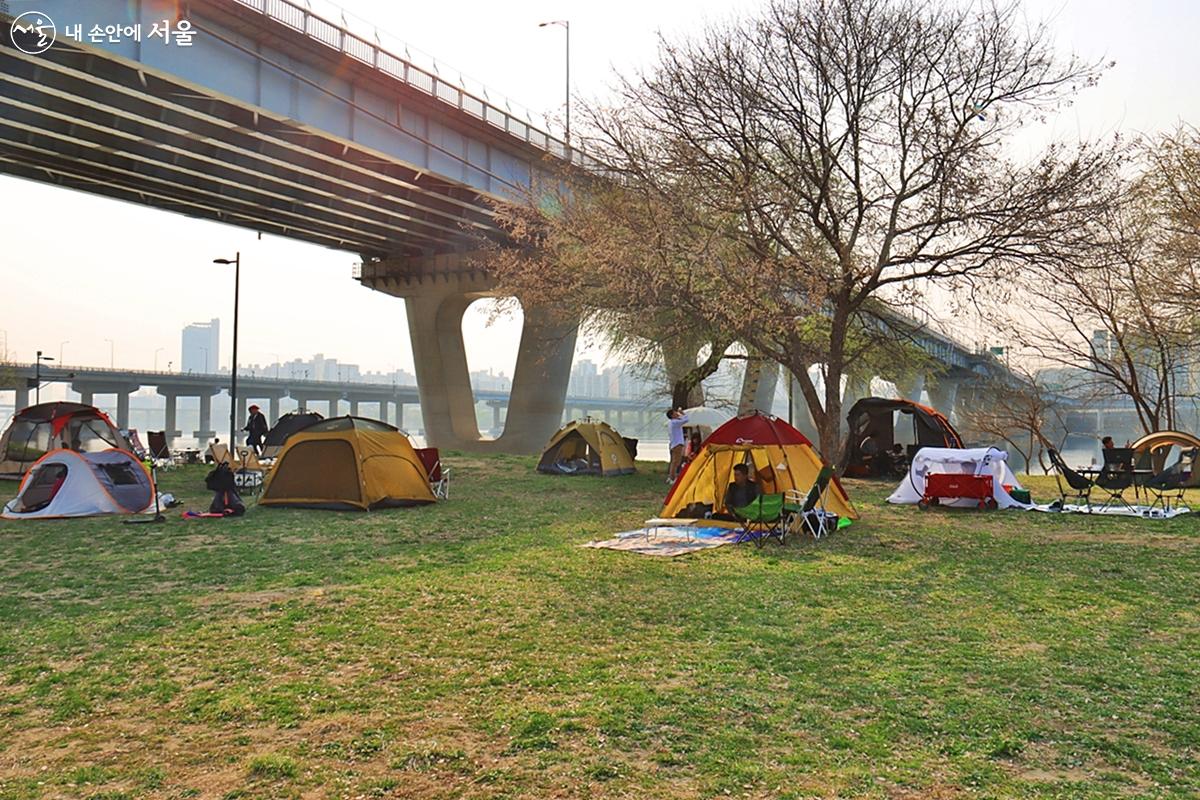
x,y
675,439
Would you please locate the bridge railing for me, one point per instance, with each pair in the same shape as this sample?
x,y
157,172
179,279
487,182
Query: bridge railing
x,y
382,51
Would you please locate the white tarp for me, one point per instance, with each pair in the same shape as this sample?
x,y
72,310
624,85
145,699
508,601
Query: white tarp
x,y
944,460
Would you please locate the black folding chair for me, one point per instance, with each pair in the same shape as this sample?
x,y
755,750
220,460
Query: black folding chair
x,y
158,449
1171,483
1080,486
1116,476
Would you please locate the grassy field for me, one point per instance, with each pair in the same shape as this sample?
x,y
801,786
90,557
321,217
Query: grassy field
x,y
473,649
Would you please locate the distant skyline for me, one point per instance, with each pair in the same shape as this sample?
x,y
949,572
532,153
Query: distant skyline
x,y
83,271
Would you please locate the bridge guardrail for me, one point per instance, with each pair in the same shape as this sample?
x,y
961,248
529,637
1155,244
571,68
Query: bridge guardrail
x,y
476,101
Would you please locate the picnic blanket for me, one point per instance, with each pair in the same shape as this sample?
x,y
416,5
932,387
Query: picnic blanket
x,y
667,540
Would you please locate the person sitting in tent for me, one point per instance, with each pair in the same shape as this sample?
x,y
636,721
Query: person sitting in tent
x,y
743,491
256,430
693,447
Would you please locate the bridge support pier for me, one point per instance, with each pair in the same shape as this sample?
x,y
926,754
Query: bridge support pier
x,y
22,398
857,387
435,313
758,385
353,407
801,417
911,388
273,408
205,433
170,417
87,397
944,397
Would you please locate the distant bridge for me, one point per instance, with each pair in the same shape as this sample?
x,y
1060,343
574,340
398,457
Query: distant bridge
x,y
388,399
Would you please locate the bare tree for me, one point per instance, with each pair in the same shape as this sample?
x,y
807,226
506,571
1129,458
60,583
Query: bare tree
x,y
802,175
1020,410
1120,324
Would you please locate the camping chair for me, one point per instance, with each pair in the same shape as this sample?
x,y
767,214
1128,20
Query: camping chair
x,y
159,450
135,442
1081,487
761,519
1171,483
808,510
219,453
1116,476
439,476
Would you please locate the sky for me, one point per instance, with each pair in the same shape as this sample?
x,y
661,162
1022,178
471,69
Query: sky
x,y
120,280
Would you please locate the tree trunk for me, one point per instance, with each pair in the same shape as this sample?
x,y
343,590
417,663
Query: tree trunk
x,y
683,374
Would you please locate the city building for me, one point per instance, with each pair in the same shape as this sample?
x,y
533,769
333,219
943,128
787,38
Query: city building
x,y
200,350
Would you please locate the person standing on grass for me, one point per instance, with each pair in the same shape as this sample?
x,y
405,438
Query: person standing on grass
x,y
256,430
676,419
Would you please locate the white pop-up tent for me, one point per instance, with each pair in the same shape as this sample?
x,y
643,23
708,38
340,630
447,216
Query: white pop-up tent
x,y
64,483
975,461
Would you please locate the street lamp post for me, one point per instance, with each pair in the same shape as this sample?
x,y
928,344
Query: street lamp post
x,y
566,26
61,345
237,279
37,377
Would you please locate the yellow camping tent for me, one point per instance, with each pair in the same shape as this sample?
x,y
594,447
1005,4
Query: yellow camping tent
x,y
348,463
586,447
781,456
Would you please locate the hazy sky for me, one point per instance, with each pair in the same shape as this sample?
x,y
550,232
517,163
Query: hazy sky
x,y
83,269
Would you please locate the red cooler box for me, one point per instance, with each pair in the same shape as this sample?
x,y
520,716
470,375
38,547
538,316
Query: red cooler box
x,y
941,486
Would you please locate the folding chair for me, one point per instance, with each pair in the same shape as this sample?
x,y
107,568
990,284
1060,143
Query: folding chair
x,y
1171,483
159,451
761,520
1116,476
1080,486
808,510
439,476
219,453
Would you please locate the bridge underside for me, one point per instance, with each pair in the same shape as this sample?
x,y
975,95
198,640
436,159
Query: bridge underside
x,y
85,119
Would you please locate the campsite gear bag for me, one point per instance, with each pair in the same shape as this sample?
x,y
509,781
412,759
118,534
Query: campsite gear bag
x,y
225,500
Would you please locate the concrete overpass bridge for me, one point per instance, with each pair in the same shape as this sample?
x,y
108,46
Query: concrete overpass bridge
x,y
386,401
284,121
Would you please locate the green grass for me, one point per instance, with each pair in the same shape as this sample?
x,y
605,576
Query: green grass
x,y
473,649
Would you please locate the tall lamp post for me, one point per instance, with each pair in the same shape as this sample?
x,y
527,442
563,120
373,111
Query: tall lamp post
x,y
566,26
237,279
37,377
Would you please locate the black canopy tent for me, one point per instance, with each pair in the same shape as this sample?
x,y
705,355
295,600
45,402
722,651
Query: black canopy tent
x,y
869,450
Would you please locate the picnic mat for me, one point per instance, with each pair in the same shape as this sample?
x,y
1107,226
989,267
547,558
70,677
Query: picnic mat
x,y
667,540
1141,512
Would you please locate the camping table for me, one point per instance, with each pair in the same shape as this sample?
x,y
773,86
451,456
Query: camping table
x,y
1139,477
